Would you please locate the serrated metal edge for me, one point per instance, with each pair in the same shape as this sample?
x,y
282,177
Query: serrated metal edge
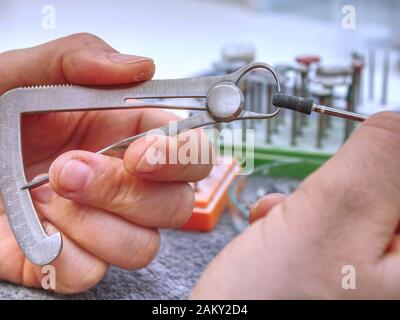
x,y
46,86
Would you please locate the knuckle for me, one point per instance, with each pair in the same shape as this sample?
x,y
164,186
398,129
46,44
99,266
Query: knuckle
x,y
147,249
184,206
81,212
387,122
122,192
383,129
93,275
84,38
85,281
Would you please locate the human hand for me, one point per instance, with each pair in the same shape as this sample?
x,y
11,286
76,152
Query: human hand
x,y
108,209
346,213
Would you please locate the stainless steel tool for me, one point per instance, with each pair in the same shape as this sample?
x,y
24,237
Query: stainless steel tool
x,y
224,103
306,106
324,96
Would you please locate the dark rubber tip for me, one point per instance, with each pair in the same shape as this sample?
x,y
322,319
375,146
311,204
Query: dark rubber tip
x,y
294,103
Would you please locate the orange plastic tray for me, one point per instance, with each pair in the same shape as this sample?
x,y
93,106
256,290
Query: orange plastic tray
x,y
211,197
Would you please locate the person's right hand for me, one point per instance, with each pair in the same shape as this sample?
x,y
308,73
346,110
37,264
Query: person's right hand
x,y
107,208
344,214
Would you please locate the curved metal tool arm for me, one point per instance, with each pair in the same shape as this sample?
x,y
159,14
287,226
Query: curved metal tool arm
x,y
70,97
38,247
196,121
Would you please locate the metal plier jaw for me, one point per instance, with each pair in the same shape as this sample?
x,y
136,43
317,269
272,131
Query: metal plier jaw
x,y
224,103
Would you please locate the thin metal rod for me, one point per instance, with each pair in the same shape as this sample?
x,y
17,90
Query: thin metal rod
x,y
171,89
339,113
36,182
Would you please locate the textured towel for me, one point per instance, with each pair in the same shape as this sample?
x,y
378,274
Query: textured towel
x,y
182,258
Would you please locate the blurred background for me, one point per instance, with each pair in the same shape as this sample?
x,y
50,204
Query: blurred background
x,y
186,37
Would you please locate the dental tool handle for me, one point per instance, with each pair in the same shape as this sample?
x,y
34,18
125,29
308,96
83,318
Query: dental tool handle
x,y
305,105
348,115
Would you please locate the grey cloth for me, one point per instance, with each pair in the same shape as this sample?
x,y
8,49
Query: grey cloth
x,y
182,258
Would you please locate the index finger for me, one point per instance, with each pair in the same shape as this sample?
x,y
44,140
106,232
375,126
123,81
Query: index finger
x,y
186,157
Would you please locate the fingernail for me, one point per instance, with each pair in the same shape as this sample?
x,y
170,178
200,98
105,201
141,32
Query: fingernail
x,y
127,58
149,160
74,176
254,207
258,203
49,228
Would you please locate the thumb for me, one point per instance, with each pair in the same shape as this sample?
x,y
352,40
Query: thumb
x,y
79,59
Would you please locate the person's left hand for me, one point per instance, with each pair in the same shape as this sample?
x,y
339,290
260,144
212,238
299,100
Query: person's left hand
x,y
108,209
